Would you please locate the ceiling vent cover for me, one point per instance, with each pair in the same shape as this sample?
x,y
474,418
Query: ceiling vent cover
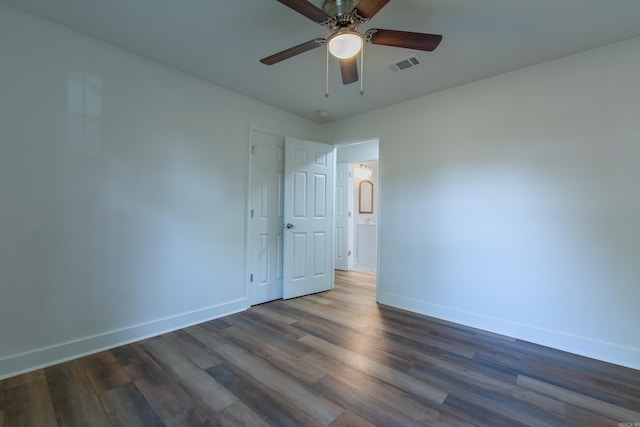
x,y
406,63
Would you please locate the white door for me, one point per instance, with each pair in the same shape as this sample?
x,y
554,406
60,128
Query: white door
x,y
308,217
344,203
267,180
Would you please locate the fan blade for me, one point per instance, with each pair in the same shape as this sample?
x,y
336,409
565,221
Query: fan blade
x,y
292,51
368,8
349,70
406,39
307,9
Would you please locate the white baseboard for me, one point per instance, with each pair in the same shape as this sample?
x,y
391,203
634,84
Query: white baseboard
x,y
48,356
584,346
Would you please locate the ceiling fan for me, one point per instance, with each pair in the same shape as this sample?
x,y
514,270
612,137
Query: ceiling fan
x,y
342,18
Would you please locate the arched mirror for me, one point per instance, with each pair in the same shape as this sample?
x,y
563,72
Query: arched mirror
x,y
366,197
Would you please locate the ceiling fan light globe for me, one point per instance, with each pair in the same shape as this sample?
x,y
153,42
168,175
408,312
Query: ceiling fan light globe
x,y
346,44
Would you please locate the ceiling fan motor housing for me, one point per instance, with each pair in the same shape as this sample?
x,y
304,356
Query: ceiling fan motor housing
x,y
339,8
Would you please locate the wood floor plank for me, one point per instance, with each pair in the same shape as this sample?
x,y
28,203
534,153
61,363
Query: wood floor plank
x,y
448,339
463,378
421,410
319,299
362,404
508,357
169,400
203,389
355,341
569,372
375,369
427,325
37,375
477,415
217,324
352,320
501,399
349,419
127,354
593,384
328,328
395,338
192,349
27,403
104,371
172,404
581,417
219,344
283,329
126,406
267,310
271,406
239,414
74,400
286,341
285,362
594,405
319,408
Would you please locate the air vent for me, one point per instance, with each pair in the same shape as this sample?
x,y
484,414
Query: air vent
x,y
407,63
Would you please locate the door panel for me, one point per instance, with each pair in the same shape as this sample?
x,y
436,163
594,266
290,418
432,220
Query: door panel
x,y
299,195
319,251
320,196
308,211
299,255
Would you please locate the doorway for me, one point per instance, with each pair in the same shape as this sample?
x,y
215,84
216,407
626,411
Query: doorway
x,y
357,206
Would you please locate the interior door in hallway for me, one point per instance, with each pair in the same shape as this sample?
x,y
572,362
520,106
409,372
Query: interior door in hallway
x,y
308,217
344,203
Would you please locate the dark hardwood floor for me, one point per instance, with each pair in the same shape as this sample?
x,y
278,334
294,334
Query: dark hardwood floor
x,y
335,358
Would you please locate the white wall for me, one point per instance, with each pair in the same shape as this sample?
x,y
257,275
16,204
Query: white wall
x,y
513,203
122,194
358,152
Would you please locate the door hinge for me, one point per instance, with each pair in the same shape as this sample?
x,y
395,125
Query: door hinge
x,y
253,149
350,175
349,214
348,253
251,213
251,278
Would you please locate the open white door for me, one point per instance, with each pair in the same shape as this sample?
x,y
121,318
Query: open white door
x,y
344,197
308,217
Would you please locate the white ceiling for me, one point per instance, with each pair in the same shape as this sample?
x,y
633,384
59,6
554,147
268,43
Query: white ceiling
x,y
222,41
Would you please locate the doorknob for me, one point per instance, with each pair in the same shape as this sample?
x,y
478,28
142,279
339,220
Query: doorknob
x,y
289,226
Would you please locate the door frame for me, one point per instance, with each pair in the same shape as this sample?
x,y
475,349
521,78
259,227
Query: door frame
x,y
248,225
357,141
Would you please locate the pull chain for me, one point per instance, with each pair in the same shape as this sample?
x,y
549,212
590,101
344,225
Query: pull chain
x,y
326,91
362,70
